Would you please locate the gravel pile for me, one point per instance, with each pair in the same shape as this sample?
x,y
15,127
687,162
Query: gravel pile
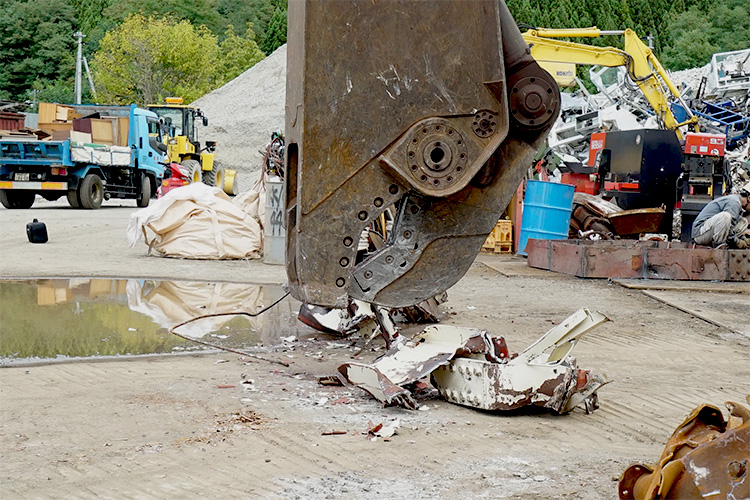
x,y
242,115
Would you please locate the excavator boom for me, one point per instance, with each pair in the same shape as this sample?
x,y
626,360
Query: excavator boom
x,y
642,65
433,109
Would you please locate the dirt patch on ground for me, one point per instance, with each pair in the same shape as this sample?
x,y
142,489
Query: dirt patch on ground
x,y
165,427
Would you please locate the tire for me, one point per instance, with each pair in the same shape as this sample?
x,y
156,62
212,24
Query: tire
x,y
192,170
214,177
17,199
145,196
91,192
73,199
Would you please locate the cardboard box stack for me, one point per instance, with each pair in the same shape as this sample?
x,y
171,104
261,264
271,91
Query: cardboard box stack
x,y
63,122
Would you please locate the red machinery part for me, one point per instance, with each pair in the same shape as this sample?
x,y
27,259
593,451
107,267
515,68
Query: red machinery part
x,y
704,144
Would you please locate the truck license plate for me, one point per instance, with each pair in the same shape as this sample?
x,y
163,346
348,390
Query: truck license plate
x,y
21,176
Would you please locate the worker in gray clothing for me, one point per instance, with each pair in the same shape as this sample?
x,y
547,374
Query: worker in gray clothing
x,y
722,221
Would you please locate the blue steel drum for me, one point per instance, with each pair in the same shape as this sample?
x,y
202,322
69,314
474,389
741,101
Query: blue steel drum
x,y
546,212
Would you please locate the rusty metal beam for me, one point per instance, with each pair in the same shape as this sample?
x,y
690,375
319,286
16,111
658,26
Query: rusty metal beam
x,y
639,259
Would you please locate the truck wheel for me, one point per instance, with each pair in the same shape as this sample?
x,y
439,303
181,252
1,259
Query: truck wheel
x,y
214,177
73,199
192,170
145,196
91,192
13,199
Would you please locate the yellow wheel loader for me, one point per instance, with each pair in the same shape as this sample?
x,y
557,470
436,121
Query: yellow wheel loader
x,y
178,122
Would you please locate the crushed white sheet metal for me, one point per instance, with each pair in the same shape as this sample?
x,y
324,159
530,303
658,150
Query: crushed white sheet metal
x,y
473,368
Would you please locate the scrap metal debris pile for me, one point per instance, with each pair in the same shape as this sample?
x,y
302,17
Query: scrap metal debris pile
x,y
718,94
473,368
646,139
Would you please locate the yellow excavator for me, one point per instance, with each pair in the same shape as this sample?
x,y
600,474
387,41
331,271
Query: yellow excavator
x,y
178,122
642,66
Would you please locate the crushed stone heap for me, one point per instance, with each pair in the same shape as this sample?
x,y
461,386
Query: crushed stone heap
x,y
243,113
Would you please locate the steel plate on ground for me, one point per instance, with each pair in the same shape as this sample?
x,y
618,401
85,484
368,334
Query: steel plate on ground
x,y
639,259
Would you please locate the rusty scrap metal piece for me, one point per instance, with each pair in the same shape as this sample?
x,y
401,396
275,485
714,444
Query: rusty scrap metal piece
x,y
637,221
706,457
368,319
639,259
434,108
591,213
337,321
473,368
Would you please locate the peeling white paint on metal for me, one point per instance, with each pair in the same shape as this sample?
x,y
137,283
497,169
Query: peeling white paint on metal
x,y
700,473
394,82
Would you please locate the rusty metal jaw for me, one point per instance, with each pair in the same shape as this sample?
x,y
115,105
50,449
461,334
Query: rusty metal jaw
x,y
442,124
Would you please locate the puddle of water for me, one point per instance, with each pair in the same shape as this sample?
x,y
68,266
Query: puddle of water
x,y
83,318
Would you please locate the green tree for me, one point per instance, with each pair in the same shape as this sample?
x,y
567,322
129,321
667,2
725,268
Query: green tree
x,y
696,34
267,18
236,54
241,15
198,12
147,59
59,91
731,21
38,45
92,22
89,13
275,32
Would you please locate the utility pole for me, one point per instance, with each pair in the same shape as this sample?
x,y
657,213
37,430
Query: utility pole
x,y
79,57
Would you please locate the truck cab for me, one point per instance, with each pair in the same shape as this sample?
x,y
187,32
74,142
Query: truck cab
x,y
146,130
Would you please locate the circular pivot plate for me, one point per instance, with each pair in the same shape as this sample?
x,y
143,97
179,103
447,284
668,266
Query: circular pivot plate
x,y
436,154
484,123
532,101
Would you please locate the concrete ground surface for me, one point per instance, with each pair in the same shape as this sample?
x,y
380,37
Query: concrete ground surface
x,y
161,427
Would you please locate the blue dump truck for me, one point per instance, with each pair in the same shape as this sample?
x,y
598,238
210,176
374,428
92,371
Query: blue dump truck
x,y
90,154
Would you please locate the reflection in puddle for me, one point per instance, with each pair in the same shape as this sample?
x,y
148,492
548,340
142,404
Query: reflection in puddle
x,y
55,318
